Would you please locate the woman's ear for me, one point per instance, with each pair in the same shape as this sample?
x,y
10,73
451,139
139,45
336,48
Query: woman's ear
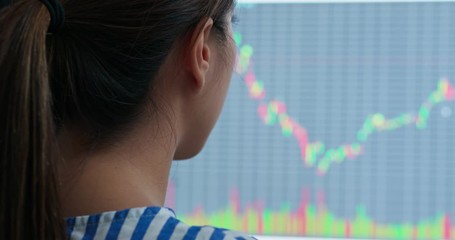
x,y
198,60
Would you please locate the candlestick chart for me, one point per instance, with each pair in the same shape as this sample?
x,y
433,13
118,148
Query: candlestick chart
x,y
338,123
275,113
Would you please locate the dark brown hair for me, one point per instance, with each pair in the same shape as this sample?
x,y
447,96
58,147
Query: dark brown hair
x,y
96,71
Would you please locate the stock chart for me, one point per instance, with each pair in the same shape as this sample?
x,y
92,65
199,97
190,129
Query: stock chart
x,y
339,123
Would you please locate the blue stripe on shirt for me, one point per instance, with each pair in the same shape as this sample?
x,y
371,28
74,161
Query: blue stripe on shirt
x,y
92,226
168,229
218,234
143,224
116,225
192,233
70,222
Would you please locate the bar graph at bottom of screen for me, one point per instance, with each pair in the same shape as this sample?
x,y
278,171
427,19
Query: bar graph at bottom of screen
x,y
316,219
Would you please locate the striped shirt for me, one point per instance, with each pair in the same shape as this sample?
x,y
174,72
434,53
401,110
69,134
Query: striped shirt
x,y
143,223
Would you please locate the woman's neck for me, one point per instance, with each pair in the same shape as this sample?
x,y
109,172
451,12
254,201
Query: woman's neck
x,y
127,174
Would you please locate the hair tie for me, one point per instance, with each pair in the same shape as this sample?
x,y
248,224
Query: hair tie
x,y
57,14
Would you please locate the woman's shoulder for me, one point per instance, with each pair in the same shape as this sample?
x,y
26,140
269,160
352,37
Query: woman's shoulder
x,y
143,223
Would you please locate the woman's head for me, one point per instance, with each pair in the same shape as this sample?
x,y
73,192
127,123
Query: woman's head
x,y
106,59
102,71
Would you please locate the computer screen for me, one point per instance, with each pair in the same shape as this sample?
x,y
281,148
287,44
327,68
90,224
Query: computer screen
x,y
339,123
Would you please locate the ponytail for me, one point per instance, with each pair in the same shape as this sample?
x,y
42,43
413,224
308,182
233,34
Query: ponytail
x,y
29,206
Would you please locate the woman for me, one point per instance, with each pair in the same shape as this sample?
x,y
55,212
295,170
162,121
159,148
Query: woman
x,y
97,98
